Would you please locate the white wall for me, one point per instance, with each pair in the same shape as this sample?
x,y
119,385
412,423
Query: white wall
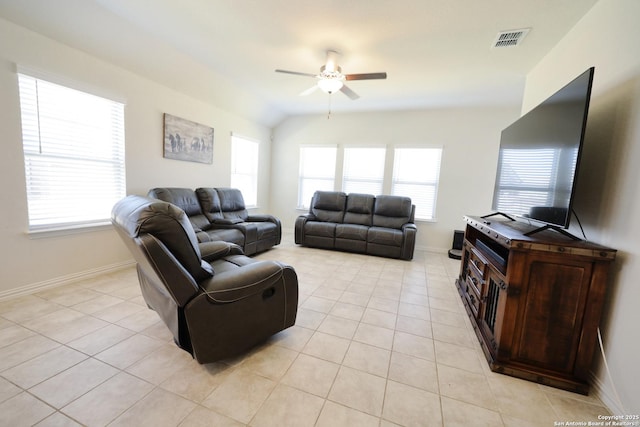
x,y
469,137
608,192
26,261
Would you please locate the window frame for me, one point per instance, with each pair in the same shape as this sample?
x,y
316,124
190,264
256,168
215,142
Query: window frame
x,y
45,124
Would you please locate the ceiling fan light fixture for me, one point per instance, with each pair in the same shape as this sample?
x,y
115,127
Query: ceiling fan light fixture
x,y
330,85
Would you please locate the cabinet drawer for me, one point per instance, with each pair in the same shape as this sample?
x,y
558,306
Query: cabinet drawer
x,y
477,262
472,296
475,282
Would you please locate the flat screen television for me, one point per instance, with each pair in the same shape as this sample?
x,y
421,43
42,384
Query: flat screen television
x,y
540,155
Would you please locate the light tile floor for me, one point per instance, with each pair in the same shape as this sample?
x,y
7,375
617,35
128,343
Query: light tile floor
x,y
377,342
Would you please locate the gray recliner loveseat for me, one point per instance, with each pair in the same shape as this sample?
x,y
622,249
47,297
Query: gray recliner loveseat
x,y
220,214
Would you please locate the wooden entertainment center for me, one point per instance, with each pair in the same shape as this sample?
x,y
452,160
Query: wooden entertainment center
x,y
534,300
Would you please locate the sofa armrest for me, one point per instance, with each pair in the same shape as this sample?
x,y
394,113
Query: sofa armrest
x,y
409,231
214,250
299,227
409,226
202,236
308,217
228,221
237,284
262,218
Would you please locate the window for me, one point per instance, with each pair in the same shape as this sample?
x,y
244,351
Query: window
x,y
317,172
363,170
244,168
73,153
415,175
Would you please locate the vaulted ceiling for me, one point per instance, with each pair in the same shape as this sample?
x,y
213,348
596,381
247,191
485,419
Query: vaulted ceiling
x,y
437,54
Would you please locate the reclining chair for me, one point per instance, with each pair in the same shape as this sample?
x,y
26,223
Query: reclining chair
x,y
216,301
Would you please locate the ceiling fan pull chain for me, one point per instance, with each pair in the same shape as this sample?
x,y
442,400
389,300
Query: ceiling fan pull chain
x,y
329,114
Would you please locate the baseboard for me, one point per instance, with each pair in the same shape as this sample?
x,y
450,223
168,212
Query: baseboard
x,y
64,280
606,394
432,249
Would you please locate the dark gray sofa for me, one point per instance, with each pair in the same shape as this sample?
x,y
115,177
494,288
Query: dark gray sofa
x,y
361,223
219,214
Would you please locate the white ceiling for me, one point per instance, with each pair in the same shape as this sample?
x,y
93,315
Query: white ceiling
x,y
437,53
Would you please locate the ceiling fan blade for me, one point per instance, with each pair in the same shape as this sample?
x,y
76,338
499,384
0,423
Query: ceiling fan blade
x,y
297,73
366,76
351,94
309,91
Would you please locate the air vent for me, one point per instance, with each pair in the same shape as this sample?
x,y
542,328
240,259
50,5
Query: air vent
x,y
510,38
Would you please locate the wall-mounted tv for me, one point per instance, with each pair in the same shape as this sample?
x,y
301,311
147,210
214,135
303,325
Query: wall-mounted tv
x,y
540,155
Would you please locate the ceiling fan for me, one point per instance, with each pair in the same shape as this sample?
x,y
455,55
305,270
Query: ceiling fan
x,y
330,79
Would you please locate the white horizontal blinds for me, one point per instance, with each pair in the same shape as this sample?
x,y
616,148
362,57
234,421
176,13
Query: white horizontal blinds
x,y
416,172
74,154
317,172
363,170
527,178
244,168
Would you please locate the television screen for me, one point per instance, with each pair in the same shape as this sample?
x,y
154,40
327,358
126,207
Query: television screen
x,y
540,154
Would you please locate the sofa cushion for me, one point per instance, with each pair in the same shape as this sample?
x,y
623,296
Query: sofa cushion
x,y
210,203
230,235
266,230
351,237
232,203
359,209
320,229
385,236
185,199
392,211
351,231
328,206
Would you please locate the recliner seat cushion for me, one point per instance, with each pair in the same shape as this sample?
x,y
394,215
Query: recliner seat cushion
x,y
320,229
230,235
351,231
385,236
351,237
266,230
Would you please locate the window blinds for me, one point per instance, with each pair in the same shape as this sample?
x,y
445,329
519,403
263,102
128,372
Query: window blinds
x,y
363,170
73,152
416,173
244,168
317,172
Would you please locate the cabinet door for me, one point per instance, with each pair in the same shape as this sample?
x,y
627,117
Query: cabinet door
x,y
553,307
492,310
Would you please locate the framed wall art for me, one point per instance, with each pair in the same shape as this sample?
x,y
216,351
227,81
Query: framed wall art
x,y
186,140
